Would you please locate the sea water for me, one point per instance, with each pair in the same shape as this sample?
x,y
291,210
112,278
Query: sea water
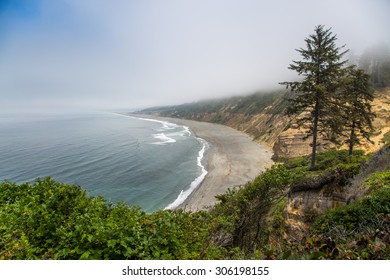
x,y
145,162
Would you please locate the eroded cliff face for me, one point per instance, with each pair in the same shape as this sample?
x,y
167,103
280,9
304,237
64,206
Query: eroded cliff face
x,y
314,196
264,127
381,123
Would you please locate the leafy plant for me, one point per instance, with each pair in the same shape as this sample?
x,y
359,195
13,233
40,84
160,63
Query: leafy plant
x,y
51,220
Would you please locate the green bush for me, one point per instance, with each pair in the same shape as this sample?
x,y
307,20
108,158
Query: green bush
x,y
329,160
356,231
378,180
357,216
241,214
50,220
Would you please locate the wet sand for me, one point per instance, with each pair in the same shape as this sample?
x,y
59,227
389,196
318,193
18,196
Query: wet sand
x,y
233,160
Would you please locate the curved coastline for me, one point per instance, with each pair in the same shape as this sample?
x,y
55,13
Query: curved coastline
x,y
202,154
184,194
233,159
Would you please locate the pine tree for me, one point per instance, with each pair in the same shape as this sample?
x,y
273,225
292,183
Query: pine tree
x,y
355,100
321,69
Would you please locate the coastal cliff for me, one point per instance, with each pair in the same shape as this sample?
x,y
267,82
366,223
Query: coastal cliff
x,y
315,214
262,115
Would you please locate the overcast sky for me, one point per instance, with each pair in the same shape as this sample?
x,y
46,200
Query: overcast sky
x,y
117,54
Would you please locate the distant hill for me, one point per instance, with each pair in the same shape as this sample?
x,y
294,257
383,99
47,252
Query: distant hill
x,y
261,115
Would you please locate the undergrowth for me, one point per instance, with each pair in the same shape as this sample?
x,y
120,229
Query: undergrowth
x,y
51,220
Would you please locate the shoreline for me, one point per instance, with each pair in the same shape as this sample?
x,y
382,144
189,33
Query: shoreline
x,y
233,160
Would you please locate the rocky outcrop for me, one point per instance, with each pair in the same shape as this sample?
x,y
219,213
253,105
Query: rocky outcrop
x,y
380,161
291,144
313,196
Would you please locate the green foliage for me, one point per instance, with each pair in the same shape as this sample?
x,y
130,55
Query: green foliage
x,y
358,215
359,230
355,101
341,159
378,180
50,220
329,160
241,213
277,219
245,216
386,138
322,69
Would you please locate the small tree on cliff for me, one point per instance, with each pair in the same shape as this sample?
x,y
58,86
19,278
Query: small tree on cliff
x,y
321,69
356,99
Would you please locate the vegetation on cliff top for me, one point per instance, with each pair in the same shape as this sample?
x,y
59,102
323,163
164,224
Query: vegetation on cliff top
x,y
50,220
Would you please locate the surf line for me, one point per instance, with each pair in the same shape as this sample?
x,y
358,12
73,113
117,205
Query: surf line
x,y
184,194
194,184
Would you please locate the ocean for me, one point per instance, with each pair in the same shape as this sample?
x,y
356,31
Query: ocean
x,y
145,162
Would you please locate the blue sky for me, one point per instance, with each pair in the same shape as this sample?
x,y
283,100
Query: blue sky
x,y
72,54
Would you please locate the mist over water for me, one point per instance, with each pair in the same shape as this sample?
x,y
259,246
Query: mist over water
x,y
143,162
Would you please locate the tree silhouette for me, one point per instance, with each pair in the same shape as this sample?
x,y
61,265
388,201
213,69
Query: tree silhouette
x,y
355,100
321,68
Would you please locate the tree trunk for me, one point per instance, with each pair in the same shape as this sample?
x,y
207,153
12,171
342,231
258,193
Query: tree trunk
x,y
352,138
315,131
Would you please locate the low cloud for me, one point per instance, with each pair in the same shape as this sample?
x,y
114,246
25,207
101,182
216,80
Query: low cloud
x,y
130,54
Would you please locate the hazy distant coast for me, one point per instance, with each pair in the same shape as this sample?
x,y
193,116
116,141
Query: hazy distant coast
x,y
233,159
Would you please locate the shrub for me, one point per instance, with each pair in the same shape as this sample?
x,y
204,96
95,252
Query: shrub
x,y
378,180
50,220
242,212
357,216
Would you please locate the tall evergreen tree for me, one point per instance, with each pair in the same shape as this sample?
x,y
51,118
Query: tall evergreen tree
x,y
321,69
356,98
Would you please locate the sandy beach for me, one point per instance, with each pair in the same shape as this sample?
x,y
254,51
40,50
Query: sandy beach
x,y
233,160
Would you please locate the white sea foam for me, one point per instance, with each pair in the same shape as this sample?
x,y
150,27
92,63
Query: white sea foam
x,y
164,139
187,130
194,184
166,126
183,133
